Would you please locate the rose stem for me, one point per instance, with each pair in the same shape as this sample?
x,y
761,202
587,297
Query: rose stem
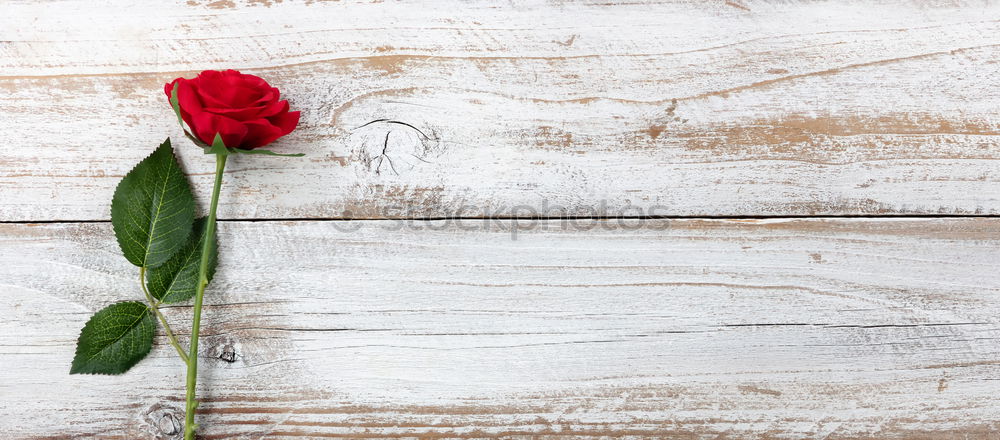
x,y
192,370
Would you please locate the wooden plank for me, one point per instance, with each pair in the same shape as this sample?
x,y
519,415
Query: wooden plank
x,y
837,329
664,107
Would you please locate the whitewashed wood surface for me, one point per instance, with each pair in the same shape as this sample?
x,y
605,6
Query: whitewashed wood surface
x,y
835,328
684,107
839,329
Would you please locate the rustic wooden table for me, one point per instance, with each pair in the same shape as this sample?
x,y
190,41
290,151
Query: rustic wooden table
x,y
822,262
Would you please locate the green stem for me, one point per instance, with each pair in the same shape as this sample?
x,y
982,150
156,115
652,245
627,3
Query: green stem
x,y
155,306
192,371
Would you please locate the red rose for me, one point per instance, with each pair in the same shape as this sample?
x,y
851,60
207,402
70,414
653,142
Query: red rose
x,y
244,109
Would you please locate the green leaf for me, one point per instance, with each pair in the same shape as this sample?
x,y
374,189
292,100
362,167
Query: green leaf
x,y
265,152
152,209
218,147
196,141
175,103
177,279
114,339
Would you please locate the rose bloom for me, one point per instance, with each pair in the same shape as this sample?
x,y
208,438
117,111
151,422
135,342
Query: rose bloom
x,y
245,110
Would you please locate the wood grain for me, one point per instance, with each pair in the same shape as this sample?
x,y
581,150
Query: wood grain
x,y
696,329
686,329
684,108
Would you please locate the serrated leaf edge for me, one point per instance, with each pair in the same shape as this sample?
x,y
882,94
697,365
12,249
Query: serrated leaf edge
x,y
195,255
75,369
173,163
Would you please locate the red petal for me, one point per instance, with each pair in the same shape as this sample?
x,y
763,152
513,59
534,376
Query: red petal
x,y
260,132
239,114
286,121
208,81
232,89
270,95
254,81
187,100
169,87
187,97
273,109
251,113
264,131
207,125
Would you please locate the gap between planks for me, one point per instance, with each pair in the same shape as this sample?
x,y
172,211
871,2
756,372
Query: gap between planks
x,y
549,218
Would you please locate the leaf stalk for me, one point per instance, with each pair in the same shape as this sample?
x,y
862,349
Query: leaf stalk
x,y
154,305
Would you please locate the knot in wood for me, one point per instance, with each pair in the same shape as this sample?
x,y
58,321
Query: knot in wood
x,y
228,353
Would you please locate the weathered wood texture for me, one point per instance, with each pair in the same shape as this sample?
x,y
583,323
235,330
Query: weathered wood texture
x,y
837,329
694,329
693,107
